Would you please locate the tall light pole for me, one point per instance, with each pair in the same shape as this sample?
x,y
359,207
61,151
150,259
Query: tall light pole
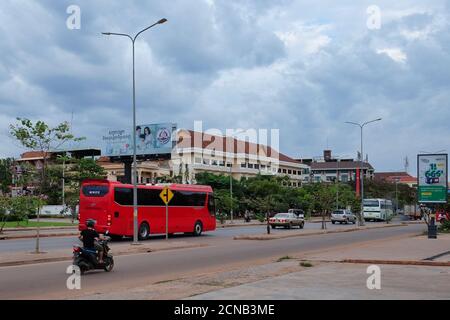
x,y
133,132
361,167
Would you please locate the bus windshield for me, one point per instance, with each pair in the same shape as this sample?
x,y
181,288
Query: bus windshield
x,y
95,190
371,203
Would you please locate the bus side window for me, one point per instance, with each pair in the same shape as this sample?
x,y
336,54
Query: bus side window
x,y
211,204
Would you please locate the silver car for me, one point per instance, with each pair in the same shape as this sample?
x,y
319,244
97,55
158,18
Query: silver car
x,y
343,216
287,220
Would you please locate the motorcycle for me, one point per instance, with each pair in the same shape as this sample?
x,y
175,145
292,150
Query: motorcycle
x,y
86,259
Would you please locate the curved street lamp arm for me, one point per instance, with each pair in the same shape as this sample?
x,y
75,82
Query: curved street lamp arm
x,y
354,123
365,123
117,34
143,30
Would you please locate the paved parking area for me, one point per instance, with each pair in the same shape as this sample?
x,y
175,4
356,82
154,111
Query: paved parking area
x,y
331,281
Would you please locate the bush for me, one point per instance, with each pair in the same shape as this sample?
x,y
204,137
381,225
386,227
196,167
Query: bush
x,y
221,216
445,227
261,217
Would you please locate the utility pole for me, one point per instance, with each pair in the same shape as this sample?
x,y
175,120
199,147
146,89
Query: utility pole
x,y
133,132
361,126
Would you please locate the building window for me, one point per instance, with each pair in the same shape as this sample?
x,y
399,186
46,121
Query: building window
x,y
263,166
344,178
250,166
243,165
284,170
222,163
279,170
294,172
317,179
214,162
228,165
289,171
257,166
198,160
206,162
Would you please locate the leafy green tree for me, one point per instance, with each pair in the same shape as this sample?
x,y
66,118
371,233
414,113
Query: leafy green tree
x,y
6,177
79,170
40,137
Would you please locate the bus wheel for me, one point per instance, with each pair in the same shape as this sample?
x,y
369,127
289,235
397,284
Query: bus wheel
x,y
198,229
144,231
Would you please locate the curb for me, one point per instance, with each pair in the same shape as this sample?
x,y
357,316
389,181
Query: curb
x,y
42,228
221,226
33,236
275,237
399,262
68,258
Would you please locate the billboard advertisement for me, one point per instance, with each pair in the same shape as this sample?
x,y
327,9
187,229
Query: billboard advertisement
x,y
150,139
432,176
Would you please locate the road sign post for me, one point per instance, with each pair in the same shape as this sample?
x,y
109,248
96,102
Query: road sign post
x,y
166,195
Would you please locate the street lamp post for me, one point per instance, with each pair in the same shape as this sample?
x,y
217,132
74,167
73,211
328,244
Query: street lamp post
x,y
133,132
361,168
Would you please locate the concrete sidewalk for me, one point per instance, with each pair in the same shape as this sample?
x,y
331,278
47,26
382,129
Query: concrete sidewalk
x,y
332,277
333,281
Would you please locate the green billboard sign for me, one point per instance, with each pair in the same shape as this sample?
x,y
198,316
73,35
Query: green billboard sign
x,y
432,177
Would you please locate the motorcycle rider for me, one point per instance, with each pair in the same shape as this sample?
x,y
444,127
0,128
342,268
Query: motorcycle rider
x,y
90,239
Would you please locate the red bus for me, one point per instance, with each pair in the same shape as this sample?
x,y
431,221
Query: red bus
x,y
110,204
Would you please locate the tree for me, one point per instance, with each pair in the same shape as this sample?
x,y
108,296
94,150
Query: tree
x,y
6,176
40,137
79,170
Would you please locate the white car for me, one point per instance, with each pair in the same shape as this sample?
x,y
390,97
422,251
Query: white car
x,y
343,216
287,220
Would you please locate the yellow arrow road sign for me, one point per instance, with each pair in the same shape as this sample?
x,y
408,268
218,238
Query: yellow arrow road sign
x,y
166,195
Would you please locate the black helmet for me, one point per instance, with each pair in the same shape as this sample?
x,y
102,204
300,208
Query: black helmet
x,y
90,223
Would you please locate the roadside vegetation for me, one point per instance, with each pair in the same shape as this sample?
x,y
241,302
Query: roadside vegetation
x,y
284,258
444,227
34,224
47,180
306,264
269,194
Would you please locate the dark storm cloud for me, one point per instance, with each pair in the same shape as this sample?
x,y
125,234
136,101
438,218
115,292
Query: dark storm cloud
x,y
302,66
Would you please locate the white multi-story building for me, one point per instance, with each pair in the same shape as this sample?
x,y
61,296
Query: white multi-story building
x,y
197,152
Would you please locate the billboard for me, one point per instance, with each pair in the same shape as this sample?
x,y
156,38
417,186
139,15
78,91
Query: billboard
x,y
150,139
432,177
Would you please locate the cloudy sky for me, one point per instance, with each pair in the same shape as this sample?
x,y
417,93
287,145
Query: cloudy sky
x,y
304,67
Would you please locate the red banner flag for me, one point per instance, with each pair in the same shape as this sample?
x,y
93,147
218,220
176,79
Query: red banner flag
x,y
358,178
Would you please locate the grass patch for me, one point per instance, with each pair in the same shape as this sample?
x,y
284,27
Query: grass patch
x,y
306,264
34,224
284,258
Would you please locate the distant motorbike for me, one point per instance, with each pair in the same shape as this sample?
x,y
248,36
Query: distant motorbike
x,y
86,259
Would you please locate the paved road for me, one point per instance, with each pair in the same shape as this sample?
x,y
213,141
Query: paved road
x,y
53,243
49,280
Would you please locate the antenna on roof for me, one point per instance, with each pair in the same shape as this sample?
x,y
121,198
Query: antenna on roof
x,y
406,164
